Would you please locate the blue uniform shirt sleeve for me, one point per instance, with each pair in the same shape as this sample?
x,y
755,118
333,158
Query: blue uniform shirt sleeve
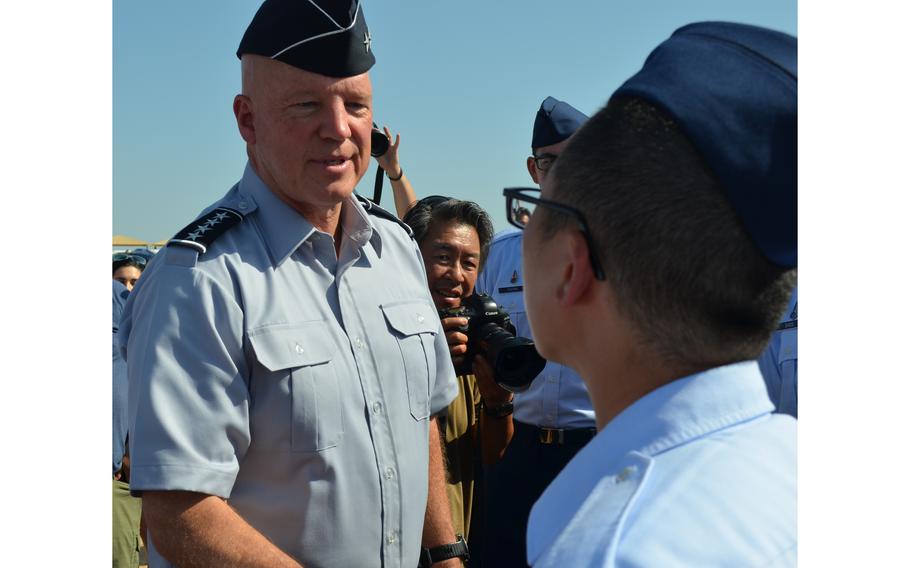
x,y
189,401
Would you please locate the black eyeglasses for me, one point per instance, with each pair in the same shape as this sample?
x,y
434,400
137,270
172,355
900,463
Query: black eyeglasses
x,y
544,162
124,257
521,203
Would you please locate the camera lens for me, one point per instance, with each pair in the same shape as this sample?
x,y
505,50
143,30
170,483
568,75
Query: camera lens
x,y
379,143
515,360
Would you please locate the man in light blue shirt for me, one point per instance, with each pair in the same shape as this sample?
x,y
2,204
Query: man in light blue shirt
x,y
778,362
659,257
285,359
554,418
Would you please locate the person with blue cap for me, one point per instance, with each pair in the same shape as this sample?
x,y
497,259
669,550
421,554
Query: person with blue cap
x,y
778,362
664,254
126,510
286,362
554,418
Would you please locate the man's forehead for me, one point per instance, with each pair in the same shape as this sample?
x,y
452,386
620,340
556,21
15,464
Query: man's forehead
x,y
263,70
552,149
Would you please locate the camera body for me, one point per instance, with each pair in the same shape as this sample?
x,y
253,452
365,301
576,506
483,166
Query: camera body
x,y
379,142
515,360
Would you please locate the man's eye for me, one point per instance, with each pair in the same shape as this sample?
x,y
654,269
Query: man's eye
x,y
356,107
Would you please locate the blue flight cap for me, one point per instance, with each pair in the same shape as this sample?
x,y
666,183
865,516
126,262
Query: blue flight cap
x,y
732,90
555,122
329,37
143,252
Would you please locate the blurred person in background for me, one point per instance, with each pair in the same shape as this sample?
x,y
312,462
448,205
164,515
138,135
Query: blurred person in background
x,y
125,519
554,417
127,268
454,238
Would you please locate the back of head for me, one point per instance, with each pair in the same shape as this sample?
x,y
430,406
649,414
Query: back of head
x,y
690,262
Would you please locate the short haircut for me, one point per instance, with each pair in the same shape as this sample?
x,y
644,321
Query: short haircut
x,y
684,271
118,264
429,211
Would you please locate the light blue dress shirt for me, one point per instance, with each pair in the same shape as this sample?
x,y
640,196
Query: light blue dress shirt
x,y
696,473
119,389
778,362
558,397
292,382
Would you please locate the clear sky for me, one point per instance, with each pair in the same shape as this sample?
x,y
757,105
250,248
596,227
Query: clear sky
x,y
461,81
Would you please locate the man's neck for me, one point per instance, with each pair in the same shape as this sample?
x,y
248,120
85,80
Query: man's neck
x,y
618,370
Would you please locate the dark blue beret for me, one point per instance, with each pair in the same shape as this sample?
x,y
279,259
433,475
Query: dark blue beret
x,y
326,37
732,90
555,122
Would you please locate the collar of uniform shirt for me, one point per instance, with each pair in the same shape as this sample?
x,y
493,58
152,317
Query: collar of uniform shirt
x,y
287,229
676,413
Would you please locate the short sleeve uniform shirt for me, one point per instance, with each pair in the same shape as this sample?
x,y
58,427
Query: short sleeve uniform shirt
x,y
293,382
778,362
696,473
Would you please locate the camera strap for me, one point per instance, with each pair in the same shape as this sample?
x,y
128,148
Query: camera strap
x,y
377,187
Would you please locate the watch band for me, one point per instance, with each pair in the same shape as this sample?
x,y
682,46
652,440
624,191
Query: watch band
x,y
430,556
500,411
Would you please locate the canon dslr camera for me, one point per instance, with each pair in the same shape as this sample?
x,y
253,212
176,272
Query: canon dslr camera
x,y
515,360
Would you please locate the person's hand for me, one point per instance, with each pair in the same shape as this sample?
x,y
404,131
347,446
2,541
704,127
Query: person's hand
x,y
457,340
389,160
490,391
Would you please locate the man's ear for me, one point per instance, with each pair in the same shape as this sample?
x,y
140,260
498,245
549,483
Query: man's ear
x,y
578,275
243,112
532,169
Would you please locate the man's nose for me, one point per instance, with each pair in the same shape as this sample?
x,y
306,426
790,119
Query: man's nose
x,y
335,122
456,273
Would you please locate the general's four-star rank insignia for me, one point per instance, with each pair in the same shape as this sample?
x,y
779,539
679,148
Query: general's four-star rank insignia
x,y
202,232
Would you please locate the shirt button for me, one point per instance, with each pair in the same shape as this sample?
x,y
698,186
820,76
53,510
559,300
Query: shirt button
x,y
358,342
298,348
243,205
391,537
389,473
625,473
420,318
377,407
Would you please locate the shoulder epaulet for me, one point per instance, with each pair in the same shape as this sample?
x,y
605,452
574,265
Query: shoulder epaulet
x,y
202,232
790,322
378,211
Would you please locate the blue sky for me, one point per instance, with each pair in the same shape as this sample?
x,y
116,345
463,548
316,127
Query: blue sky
x,y
461,81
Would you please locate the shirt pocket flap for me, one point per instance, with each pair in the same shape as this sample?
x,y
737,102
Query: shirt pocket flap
x,y
411,318
289,345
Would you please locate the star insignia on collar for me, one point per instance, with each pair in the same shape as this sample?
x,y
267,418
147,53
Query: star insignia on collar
x,y
201,229
219,217
367,40
194,235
